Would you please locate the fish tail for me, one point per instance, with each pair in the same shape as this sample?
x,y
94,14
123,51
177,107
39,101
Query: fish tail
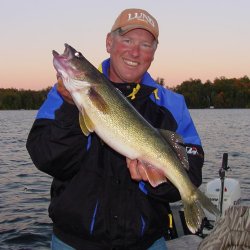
x,y
193,209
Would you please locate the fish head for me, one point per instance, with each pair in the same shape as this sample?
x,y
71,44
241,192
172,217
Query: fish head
x,y
72,67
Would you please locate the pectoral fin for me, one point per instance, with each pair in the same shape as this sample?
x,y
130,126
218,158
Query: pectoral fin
x,y
86,124
98,100
178,146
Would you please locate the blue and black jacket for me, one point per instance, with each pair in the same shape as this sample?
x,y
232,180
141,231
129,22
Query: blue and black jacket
x,y
94,202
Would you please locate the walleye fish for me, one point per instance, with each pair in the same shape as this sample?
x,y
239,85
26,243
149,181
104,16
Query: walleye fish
x,y
105,111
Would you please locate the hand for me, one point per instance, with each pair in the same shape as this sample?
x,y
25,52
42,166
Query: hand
x,y
137,170
63,91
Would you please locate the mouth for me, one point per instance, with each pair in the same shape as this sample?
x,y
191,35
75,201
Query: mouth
x,y
60,61
130,63
66,64
67,54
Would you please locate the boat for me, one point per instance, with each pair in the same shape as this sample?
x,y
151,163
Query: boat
x,y
225,193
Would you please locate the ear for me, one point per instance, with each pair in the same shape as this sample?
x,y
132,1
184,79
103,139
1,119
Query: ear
x,y
108,42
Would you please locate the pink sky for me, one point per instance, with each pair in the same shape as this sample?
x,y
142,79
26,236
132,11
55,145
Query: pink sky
x,y
198,39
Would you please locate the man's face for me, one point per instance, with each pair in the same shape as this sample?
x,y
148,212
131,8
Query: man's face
x,y
131,55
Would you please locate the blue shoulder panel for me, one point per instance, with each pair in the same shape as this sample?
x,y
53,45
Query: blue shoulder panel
x,y
51,104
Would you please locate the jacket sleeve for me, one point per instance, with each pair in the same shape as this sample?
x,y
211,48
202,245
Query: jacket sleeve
x,y
55,142
175,103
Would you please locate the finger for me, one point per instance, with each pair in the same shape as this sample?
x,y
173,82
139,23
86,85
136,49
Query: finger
x,y
142,171
132,166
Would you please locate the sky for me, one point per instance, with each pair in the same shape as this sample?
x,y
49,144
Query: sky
x,y
199,39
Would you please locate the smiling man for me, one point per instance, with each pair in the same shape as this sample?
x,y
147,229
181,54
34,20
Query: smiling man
x,y
99,199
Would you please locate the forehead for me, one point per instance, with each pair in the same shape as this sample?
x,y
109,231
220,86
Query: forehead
x,y
139,34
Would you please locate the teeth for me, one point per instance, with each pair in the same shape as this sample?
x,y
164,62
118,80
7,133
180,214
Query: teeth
x,y
130,63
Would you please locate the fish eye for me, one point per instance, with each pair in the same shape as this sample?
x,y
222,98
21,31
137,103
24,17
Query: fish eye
x,y
78,54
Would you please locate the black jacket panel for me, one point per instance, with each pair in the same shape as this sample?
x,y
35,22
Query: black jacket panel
x,y
94,201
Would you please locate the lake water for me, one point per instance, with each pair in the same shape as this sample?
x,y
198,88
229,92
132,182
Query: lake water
x,y
24,191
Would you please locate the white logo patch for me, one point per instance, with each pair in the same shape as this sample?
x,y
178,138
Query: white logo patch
x,y
142,17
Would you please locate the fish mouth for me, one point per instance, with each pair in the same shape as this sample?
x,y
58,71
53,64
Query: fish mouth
x,y
67,54
61,62
65,63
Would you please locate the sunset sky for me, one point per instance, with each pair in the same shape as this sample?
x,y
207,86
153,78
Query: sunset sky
x,y
199,39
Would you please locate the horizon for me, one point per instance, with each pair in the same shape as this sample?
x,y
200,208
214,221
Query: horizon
x,y
165,85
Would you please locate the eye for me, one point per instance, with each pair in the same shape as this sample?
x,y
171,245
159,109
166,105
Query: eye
x,y
146,45
127,41
78,54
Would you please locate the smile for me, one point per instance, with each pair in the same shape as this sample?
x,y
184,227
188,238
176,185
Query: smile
x,y
130,63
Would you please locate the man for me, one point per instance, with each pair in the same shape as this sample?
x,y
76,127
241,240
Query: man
x,y
99,199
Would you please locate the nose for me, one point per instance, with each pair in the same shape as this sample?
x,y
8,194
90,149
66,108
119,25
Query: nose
x,y
135,50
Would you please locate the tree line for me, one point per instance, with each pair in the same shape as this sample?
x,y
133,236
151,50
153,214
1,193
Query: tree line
x,y
221,93
13,99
